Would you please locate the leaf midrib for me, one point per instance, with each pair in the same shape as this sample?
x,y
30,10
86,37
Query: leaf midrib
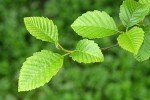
x,y
130,41
132,16
97,27
87,53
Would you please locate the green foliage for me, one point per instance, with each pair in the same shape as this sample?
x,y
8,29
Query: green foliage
x,y
132,12
100,81
144,52
42,28
39,69
87,52
95,24
132,39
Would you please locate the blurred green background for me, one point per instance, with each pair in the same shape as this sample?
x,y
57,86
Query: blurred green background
x,y
119,77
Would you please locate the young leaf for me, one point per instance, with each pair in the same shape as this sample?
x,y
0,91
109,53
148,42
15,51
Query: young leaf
x,y
42,28
144,52
39,69
132,12
87,52
147,2
132,40
94,24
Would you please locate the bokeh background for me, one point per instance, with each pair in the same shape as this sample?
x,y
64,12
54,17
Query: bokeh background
x,y
119,77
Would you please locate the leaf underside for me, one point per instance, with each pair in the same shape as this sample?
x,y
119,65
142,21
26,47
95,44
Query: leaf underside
x,y
94,24
132,12
87,52
144,52
132,40
39,69
42,28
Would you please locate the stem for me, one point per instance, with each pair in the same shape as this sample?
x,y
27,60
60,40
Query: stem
x,y
58,46
103,49
66,54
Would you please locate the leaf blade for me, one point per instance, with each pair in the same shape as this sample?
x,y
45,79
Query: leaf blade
x,y
131,40
94,24
87,52
144,52
132,12
42,28
39,69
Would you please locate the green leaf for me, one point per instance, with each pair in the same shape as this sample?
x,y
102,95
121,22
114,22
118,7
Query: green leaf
x,y
94,24
132,40
39,69
147,2
132,12
87,52
144,52
42,28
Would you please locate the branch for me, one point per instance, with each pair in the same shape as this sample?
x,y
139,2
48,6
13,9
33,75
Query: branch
x,y
103,49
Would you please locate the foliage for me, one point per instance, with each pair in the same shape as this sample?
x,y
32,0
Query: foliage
x,y
39,69
132,40
144,52
87,52
42,28
94,24
132,12
74,81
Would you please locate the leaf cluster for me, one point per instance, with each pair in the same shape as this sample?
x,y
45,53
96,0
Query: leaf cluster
x,y
42,66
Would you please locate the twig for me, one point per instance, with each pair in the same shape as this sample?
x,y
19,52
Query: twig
x,y
103,49
58,46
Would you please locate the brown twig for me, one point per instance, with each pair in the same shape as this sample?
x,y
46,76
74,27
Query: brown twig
x,y
103,49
